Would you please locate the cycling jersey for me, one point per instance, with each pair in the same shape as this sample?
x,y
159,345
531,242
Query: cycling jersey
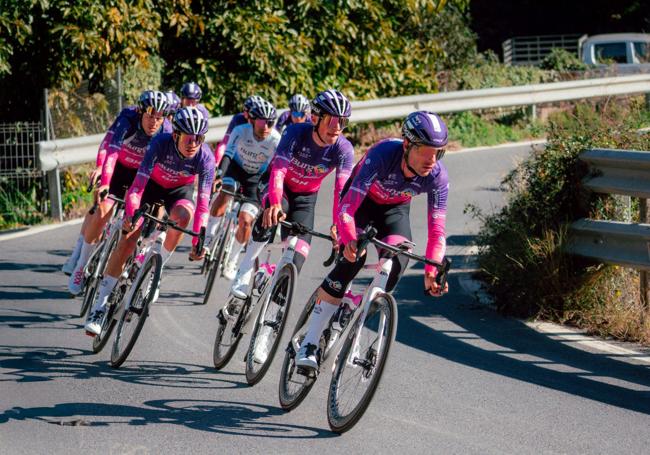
x,y
128,143
251,154
286,119
165,166
301,165
103,147
235,121
379,176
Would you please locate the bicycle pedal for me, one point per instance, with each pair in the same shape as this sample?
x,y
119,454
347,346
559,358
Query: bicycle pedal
x,y
307,372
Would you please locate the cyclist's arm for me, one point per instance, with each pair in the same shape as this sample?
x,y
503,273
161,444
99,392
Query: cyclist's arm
x,y
362,180
220,150
279,164
134,195
230,151
112,152
343,171
206,178
436,216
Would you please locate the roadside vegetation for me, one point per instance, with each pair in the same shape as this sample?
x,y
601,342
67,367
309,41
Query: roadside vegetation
x,y
521,248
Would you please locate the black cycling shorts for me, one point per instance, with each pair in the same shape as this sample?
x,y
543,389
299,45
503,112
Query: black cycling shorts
x,y
247,182
121,180
389,220
154,193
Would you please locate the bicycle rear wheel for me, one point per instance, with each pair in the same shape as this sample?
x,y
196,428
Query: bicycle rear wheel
x,y
294,384
136,310
228,334
91,285
270,324
360,364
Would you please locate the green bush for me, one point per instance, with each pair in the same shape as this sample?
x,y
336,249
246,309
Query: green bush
x,y
18,206
562,60
521,248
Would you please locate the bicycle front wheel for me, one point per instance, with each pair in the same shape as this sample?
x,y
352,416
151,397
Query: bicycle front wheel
x,y
360,364
228,333
270,324
216,262
136,309
295,384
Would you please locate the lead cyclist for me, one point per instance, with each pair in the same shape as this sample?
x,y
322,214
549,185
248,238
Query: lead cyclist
x,y
379,192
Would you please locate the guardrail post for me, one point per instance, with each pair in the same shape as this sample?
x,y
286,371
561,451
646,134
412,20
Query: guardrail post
x,y
54,188
644,215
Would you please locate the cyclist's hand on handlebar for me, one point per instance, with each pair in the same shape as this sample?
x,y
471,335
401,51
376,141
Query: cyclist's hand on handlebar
x,y
95,175
350,251
197,257
99,191
126,224
334,234
432,287
271,216
218,183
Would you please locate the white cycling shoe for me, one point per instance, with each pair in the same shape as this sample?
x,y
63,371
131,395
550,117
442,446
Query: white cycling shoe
x,y
239,287
230,271
76,281
306,357
93,327
68,267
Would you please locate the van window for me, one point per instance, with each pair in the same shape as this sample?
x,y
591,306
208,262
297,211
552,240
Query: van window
x,y
610,52
641,52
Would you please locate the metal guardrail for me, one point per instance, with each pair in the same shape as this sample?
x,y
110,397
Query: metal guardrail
x,y
66,152
623,172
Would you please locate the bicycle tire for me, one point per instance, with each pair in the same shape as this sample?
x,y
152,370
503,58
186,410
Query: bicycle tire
x,y
90,287
290,401
101,259
99,341
213,269
341,423
286,277
118,357
219,359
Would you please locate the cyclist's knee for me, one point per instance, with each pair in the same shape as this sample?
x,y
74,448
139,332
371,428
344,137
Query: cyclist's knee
x,y
325,296
182,213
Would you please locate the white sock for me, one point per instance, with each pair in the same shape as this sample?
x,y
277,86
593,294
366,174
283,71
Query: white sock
x,y
320,317
105,288
236,251
74,257
84,254
213,224
254,249
165,254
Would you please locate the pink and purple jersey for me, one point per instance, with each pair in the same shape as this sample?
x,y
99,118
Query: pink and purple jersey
x,y
103,147
378,175
127,143
301,165
164,164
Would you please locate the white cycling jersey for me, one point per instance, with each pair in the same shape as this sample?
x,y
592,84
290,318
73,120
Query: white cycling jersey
x,y
251,155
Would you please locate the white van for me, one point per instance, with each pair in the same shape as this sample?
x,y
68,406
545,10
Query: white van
x,y
629,51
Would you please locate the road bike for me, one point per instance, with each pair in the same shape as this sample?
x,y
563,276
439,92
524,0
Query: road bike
x,y
360,334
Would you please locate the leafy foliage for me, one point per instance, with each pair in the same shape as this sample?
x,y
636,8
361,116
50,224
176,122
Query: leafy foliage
x,y
522,246
562,60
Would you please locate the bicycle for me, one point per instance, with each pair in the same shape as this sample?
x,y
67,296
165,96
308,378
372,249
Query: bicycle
x,y
231,329
275,302
374,317
219,253
144,275
94,269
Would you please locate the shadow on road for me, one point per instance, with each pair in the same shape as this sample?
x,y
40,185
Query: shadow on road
x,y
41,364
26,319
227,417
12,293
40,268
483,339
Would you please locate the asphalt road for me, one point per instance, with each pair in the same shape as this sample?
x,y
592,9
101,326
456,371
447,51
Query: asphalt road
x,y
461,378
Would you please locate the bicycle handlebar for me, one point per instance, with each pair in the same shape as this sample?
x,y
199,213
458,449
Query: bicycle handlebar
x,y
102,195
240,197
297,228
368,236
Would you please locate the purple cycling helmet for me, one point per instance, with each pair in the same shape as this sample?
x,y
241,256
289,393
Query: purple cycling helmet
x,y
152,101
173,101
191,90
425,128
190,120
331,102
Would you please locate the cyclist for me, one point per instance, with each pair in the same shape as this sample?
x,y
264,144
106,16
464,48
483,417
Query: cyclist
x,y
174,103
190,95
129,136
307,153
379,192
237,119
248,154
167,174
298,112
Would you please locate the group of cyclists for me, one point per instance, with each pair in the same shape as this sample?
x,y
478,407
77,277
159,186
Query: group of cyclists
x,y
155,151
